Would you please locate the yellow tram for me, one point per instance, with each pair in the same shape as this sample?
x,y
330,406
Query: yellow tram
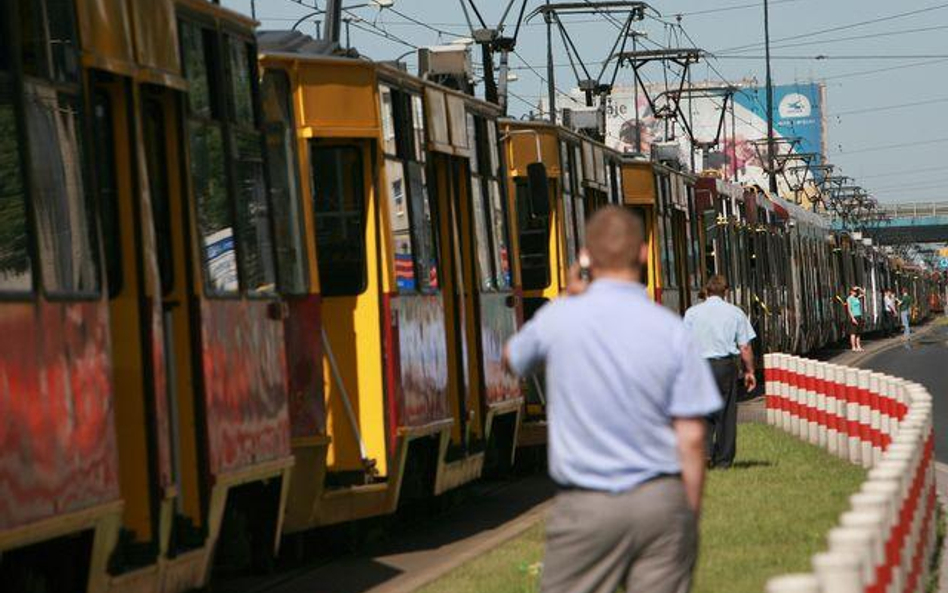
x,y
408,232
142,132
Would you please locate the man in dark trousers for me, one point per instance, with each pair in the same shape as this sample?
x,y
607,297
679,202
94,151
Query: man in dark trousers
x,y
723,333
627,394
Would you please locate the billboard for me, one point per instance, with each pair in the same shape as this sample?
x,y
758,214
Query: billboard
x,y
798,113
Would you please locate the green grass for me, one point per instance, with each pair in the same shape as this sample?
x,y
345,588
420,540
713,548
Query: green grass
x,y
763,518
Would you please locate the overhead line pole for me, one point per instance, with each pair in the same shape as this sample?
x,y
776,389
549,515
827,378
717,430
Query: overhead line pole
x,y
770,103
550,70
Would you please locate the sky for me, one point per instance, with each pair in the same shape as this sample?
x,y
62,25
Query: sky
x,y
886,72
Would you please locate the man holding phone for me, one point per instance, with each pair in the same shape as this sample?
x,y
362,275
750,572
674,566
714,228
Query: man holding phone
x,y
723,334
627,394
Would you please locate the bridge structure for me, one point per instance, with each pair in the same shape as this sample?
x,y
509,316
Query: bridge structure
x,y
911,222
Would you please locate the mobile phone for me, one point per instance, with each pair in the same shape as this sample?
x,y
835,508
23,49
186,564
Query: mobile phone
x,y
585,274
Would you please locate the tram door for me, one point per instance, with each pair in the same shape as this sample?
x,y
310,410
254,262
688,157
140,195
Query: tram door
x,y
679,238
463,381
135,138
134,363
161,183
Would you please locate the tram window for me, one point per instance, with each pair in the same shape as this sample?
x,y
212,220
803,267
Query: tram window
x,y
426,259
16,271
49,40
253,215
413,225
198,50
214,215
481,237
490,216
534,241
63,218
108,192
418,121
240,69
388,121
153,127
565,168
339,205
284,183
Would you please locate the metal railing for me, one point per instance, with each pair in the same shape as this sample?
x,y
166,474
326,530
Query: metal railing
x,y
914,209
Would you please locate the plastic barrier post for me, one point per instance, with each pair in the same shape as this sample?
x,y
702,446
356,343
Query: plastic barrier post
x,y
821,416
812,425
793,583
839,572
854,443
865,417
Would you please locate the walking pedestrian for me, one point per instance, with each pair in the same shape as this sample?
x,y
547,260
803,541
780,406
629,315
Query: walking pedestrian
x,y
854,308
627,395
890,312
905,310
723,334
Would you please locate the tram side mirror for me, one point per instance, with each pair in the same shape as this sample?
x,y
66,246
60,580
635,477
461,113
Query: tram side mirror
x,y
538,189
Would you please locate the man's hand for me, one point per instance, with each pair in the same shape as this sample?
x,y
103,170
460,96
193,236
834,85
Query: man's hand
x,y
690,437
575,285
750,381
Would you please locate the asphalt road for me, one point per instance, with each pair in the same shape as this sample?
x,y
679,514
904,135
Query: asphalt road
x,y
923,360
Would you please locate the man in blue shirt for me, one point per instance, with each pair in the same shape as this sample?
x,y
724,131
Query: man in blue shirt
x,y
723,334
627,394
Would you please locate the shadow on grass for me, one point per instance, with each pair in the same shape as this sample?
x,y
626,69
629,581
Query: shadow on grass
x,y
751,464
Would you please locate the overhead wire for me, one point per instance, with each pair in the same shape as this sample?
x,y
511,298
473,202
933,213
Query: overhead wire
x,y
845,27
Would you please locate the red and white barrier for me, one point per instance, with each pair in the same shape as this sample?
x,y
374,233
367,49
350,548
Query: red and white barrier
x,y
884,541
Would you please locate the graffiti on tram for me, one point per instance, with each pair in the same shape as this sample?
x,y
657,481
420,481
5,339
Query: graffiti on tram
x,y
498,323
423,356
56,417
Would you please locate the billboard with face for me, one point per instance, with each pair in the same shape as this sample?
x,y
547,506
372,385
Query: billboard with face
x,y
798,115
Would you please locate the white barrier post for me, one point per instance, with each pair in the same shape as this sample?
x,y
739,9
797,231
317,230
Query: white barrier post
x,y
812,433
770,388
793,394
875,415
872,521
842,426
783,392
821,434
865,417
838,572
832,411
889,490
854,443
793,583
859,542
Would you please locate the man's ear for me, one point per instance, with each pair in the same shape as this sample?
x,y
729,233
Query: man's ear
x,y
643,254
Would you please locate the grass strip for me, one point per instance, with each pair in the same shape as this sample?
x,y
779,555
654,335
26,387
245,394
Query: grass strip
x,y
764,517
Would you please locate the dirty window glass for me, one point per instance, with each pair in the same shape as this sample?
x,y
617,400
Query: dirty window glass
x,y
240,69
253,215
339,208
102,131
197,48
482,239
284,184
64,223
401,227
16,273
418,119
215,218
498,218
388,120
48,40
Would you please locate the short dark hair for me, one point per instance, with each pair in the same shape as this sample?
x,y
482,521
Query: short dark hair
x,y
716,285
614,237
